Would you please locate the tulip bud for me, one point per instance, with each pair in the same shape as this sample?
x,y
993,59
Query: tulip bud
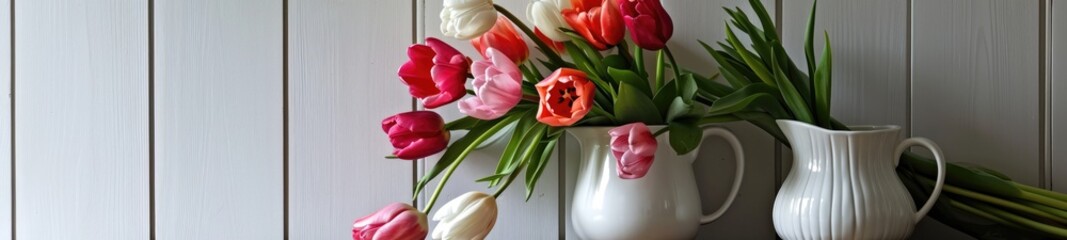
x,y
396,221
634,148
547,15
598,21
469,216
435,73
466,19
416,134
650,26
503,38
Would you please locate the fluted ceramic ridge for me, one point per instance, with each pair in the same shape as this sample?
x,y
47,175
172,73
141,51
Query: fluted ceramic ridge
x,y
843,185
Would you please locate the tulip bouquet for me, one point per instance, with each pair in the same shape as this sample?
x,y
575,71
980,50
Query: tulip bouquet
x,y
590,76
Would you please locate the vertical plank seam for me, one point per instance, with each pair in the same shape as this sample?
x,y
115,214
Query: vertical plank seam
x,y
415,39
285,119
12,98
561,187
907,66
1051,97
778,156
151,121
419,33
1043,95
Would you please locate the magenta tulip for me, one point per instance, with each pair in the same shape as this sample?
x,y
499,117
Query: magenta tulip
x,y
435,73
497,87
397,221
416,134
634,148
650,26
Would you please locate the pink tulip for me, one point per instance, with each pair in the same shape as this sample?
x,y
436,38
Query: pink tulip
x,y
416,134
396,221
435,73
634,148
650,26
497,87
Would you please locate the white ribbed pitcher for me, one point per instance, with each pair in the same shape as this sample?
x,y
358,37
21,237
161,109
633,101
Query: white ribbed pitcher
x,y
664,204
843,184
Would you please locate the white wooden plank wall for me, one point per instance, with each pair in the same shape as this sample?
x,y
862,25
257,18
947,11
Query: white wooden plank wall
x,y
219,119
976,82
965,73
82,109
1058,99
337,99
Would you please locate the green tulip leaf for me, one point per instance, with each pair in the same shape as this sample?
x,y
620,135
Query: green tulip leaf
x,y
685,136
540,160
822,86
634,106
630,77
457,151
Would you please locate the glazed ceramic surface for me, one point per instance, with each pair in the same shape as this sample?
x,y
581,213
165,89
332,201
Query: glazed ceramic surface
x,y
664,204
843,184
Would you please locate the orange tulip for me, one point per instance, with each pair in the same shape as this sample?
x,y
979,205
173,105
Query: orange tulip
x,y
503,38
598,21
566,97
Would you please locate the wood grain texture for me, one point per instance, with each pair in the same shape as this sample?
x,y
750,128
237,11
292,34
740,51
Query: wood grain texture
x,y
219,119
1058,102
342,83
82,109
5,120
975,82
517,218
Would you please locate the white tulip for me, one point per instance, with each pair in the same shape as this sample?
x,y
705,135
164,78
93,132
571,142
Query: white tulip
x,y
467,19
547,16
469,216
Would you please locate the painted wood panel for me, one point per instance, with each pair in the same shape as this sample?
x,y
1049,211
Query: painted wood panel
x,y
1058,98
82,113
516,218
219,119
341,84
975,82
5,120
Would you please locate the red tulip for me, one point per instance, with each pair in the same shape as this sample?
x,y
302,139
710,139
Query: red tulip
x,y
650,25
435,73
566,97
598,21
396,221
503,38
634,148
554,45
416,134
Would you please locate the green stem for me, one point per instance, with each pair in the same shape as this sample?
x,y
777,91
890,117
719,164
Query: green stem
x,y
1047,201
511,178
659,70
639,61
1055,231
624,51
674,64
661,131
1041,191
980,213
1000,202
555,58
1050,210
441,185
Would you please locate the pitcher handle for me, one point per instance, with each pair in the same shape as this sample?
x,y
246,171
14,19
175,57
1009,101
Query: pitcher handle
x,y
739,173
939,156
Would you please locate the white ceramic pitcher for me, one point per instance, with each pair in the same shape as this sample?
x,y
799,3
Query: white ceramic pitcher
x,y
843,184
664,204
